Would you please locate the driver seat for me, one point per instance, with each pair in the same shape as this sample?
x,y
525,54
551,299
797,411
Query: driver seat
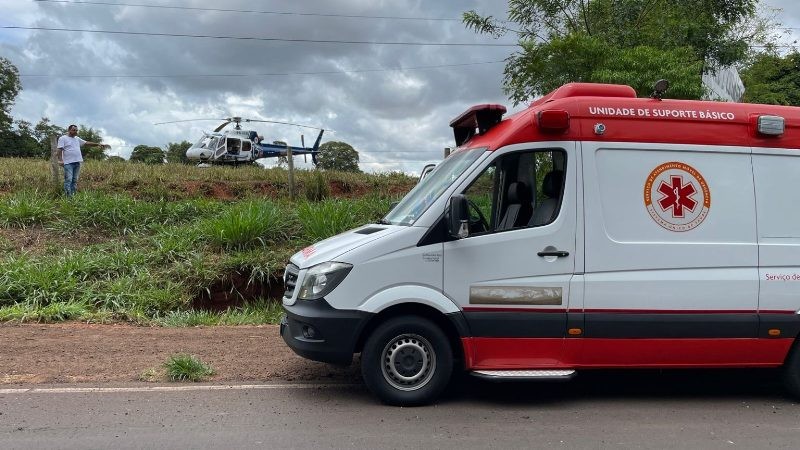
x,y
519,210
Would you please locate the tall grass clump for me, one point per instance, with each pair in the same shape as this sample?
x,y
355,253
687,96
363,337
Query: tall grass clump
x,y
329,217
25,208
247,224
184,367
28,280
92,209
317,188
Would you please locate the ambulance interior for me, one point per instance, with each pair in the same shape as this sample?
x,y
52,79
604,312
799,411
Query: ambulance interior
x,y
518,190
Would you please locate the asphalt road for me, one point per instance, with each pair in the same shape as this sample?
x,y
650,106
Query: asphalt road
x,y
674,410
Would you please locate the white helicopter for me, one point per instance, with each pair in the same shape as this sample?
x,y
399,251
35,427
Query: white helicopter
x,y
238,146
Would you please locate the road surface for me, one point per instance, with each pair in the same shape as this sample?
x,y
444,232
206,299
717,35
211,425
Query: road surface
x,y
673,410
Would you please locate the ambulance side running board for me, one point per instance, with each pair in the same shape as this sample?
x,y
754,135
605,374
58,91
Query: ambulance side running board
x,y
511,375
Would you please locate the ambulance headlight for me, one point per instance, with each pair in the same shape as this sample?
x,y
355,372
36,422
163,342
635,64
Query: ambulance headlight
x,y
321,279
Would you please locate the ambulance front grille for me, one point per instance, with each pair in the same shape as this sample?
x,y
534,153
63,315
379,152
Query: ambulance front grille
x,y
290,280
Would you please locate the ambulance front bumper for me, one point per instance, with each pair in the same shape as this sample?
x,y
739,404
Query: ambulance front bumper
x,y
315,330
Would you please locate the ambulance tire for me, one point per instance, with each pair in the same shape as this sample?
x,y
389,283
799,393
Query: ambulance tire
x,y
791,371
407,361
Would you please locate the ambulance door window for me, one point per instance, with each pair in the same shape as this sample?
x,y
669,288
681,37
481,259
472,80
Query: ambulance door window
x,y
481,199
519,190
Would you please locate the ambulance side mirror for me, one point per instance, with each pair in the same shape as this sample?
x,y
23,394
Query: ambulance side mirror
x,y
458,217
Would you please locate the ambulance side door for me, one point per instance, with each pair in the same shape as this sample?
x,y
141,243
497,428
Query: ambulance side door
x,y
511,276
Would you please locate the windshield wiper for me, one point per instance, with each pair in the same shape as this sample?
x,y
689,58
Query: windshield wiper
x,y
383,222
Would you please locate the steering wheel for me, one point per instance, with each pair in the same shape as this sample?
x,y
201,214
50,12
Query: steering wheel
x,y
479,224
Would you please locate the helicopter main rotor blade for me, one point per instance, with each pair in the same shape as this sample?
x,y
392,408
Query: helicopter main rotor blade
x,y
282,123
186,120
224,124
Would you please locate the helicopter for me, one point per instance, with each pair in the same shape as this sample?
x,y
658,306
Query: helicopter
x,y
239,146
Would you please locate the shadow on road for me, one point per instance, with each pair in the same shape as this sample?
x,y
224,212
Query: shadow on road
x,y
627,385
590,386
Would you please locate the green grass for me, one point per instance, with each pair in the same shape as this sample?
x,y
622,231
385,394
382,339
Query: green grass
x,y
184,367
25,208
53,312
142,243
247,224
256,313
172,182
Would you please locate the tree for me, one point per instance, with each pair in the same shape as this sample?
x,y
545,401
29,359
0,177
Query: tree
x,y
19,142
629,41
176,152
115,159
336,155
42,132
773,79
147,154
9,88
91,135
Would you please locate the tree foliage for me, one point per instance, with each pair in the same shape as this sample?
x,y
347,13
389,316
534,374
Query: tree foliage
x,y
147,154
773,79
91,135
176,152
337,155
9,88
42,132
622,41
19,141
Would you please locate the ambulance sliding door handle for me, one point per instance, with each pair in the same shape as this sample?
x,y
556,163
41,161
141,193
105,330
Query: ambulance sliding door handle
x,y
556,253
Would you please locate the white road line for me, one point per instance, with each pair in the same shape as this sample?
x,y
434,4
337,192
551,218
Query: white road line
x,y
234,387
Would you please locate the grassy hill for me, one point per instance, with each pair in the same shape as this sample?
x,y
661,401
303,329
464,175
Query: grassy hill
x,y
170,245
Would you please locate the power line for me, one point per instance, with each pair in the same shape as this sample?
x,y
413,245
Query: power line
x,y
249,11
252,38
270,74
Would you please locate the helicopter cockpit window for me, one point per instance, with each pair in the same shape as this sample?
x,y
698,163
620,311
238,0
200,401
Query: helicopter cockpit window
x,y
220,144
246,146
206,142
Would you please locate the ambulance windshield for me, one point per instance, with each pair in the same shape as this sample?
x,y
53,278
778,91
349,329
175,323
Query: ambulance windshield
x,y
416,202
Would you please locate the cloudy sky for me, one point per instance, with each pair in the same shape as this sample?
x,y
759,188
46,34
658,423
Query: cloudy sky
x,y
393,103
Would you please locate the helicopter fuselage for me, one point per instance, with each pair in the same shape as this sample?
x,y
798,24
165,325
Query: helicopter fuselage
x,y
240,146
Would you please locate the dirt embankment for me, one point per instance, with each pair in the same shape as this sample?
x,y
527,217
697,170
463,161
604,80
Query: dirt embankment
x,y
75,352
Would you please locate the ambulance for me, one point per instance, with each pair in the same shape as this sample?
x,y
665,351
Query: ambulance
x,y
592,230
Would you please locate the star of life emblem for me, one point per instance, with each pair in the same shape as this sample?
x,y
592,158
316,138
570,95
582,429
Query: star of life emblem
x,y
677,196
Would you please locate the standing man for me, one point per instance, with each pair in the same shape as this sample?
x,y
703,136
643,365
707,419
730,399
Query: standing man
x,y
69,156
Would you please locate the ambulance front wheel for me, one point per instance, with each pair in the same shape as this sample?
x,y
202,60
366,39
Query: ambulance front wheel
x,y
407,361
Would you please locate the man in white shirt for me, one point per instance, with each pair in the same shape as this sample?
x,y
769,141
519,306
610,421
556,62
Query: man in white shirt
x,y
69,156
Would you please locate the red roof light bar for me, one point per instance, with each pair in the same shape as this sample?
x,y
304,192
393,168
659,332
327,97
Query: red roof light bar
x,y
479,118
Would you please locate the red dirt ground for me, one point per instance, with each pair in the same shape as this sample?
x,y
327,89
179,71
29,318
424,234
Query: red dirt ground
x,y
84,353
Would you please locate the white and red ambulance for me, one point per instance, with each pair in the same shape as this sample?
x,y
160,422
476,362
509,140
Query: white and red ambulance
x,y
594,229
